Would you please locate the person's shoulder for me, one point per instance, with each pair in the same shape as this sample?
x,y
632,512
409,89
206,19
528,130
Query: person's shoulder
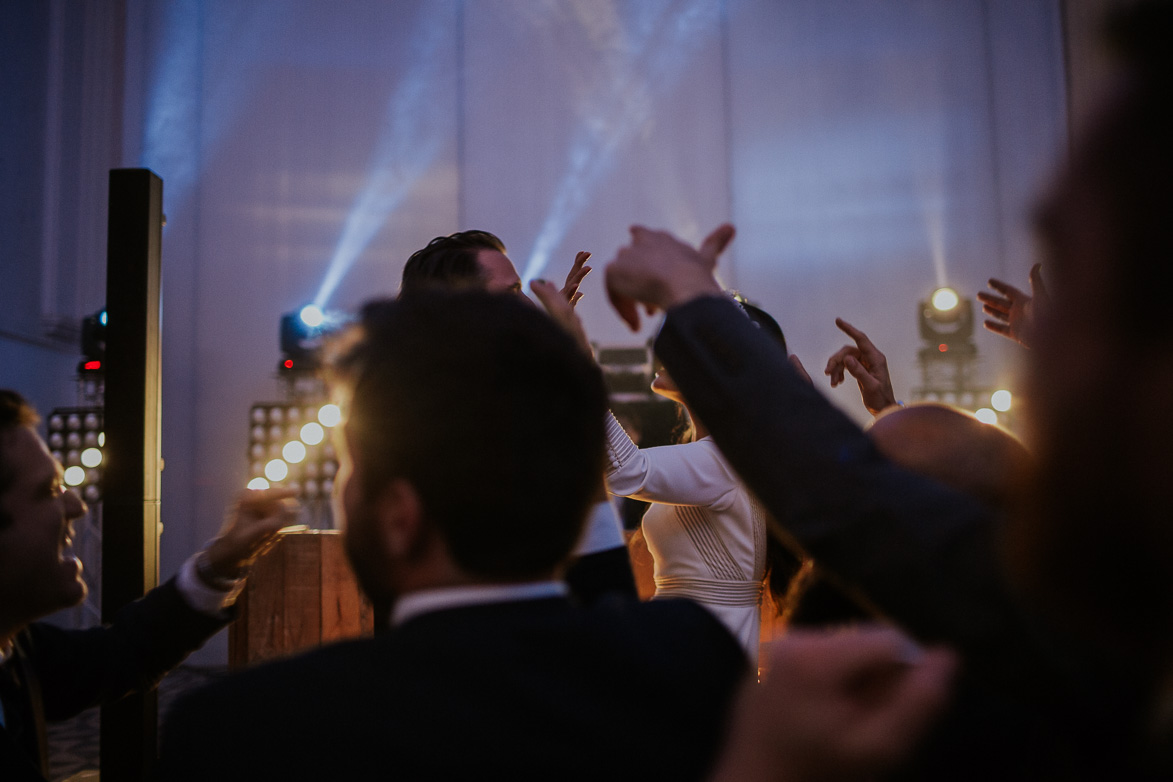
x,y
674,623
270,682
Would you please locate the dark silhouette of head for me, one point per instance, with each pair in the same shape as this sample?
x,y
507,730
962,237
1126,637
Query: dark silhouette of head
x,y
449,261
765,322
953,447
493,416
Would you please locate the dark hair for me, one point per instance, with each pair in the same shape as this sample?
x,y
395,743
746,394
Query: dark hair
x,y
448,260
493,415
763,321
1127,155
14,412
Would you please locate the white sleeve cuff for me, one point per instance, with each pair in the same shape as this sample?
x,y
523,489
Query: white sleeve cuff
x,y
199,595
603,530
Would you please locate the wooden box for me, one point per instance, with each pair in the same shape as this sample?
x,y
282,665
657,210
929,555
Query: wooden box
x,y
300,594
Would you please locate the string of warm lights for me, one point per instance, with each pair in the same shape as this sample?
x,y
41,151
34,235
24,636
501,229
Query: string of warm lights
x,y
288,447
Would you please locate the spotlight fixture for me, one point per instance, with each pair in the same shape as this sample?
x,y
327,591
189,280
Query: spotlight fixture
x,y
76,441
944,299
93,342
311,315
301,336
288,447
948,358
946,322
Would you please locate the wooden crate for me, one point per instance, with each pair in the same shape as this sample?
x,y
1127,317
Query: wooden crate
x,y
300,594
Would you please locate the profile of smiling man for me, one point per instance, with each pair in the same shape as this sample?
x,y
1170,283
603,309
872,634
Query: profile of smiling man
x,y
49,673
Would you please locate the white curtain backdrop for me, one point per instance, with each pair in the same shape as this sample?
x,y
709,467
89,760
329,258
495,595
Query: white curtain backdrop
x,y
867,150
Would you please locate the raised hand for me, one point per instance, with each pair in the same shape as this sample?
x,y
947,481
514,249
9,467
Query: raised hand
x,y
577,272
561,310
867,365
836,706
1013,313
251,527
659,271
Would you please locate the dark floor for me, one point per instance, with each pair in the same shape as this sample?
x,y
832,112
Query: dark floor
x,y
73,744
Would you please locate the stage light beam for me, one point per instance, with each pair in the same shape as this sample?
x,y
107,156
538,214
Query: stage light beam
x,y
405,150
640,62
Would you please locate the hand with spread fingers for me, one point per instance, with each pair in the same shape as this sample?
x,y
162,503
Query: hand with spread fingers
x,y
864,362
252,526
846,705
659,271
577,272
1014,313
561,310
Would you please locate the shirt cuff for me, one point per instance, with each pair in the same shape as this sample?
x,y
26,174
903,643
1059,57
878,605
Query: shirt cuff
x,y
201,597
603,530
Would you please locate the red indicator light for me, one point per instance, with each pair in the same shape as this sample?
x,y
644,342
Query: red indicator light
x,y
289,363
943,348
93,365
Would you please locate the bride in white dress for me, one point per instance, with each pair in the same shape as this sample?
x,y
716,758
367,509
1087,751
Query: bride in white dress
x,y
705,531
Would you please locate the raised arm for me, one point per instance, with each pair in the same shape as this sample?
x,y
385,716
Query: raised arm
x,y
684,474
1011,312
925,555
864,362
574,278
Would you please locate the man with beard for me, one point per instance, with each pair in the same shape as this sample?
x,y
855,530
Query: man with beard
x,y
470,452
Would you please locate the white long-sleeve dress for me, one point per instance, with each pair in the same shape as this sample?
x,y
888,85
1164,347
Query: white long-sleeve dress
x,y
705,531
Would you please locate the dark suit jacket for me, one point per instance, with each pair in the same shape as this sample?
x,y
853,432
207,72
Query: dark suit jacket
x,y
537,689
55,674
925,555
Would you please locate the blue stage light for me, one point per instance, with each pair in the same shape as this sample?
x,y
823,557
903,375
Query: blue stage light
x,y
311,315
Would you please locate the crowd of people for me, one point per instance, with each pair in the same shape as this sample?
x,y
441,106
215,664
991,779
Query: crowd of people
x,y
1011,610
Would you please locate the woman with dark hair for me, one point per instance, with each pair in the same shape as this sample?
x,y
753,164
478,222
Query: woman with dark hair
x,y
705,531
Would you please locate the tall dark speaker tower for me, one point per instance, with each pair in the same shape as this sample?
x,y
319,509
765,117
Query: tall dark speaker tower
x,y
130,518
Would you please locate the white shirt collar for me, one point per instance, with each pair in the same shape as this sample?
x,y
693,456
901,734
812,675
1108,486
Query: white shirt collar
x,y
427,600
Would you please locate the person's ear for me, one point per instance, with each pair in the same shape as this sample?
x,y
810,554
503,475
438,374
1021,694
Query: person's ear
x,y
399,511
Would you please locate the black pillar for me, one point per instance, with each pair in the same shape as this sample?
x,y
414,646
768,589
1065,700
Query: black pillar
x,y
130,502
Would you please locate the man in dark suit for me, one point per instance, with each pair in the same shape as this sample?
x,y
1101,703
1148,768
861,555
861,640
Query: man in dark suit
x,y
471,453
47,673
